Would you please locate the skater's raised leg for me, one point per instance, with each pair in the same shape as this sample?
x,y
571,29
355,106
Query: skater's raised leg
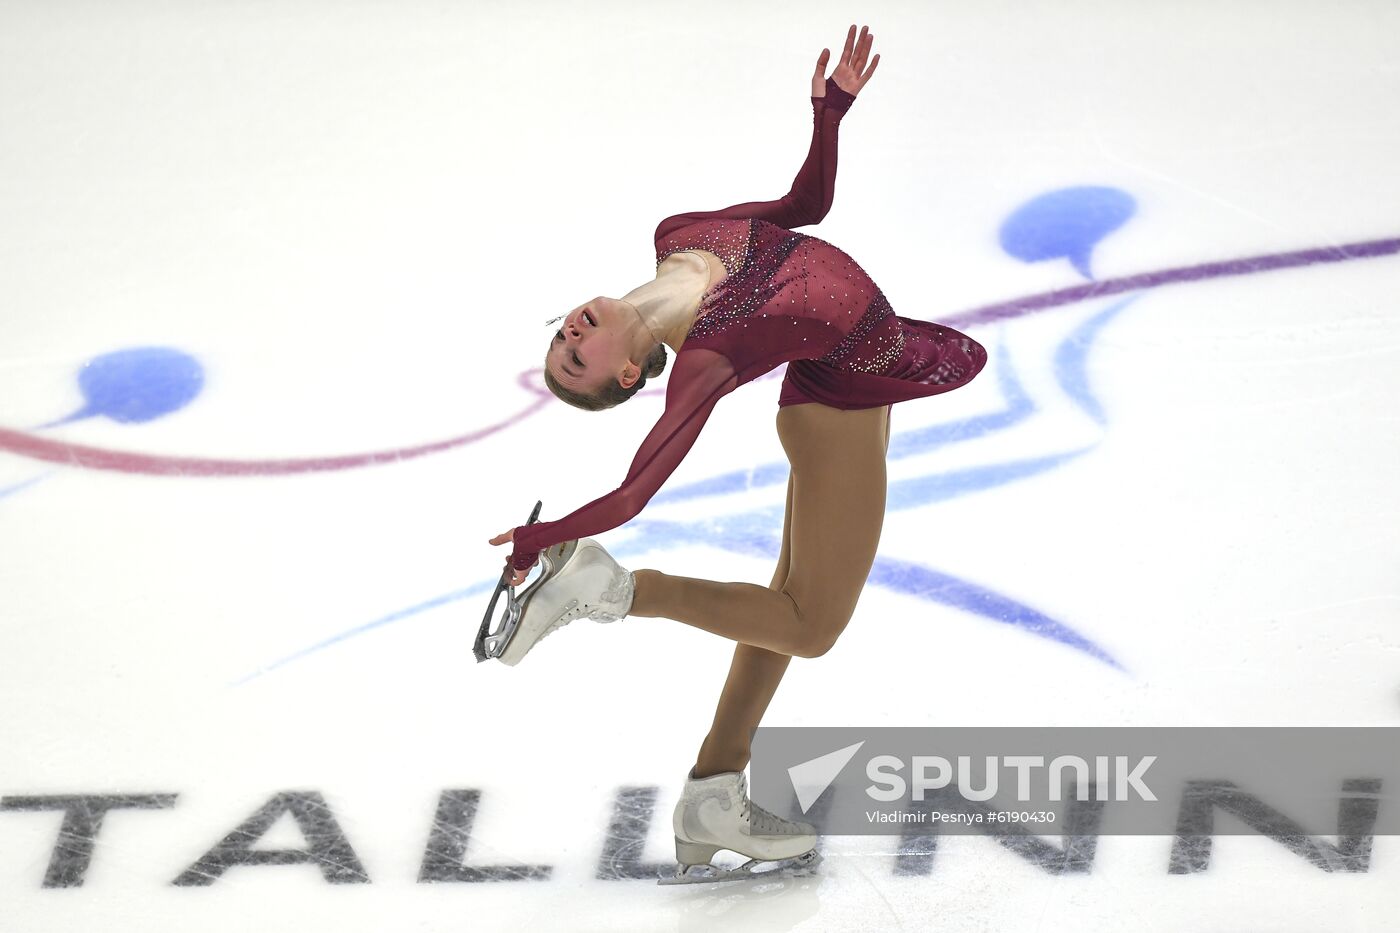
x,y
838,474
837,462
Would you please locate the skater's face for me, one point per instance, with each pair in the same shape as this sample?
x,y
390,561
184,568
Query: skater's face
x,y
592,347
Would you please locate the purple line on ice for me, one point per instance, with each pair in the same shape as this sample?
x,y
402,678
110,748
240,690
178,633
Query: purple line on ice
x,y
1366,249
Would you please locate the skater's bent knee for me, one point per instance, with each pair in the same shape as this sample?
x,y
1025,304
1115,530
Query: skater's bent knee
x,y
816,630
815,645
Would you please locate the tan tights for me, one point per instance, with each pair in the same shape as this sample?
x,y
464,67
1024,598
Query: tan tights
x,y
831,530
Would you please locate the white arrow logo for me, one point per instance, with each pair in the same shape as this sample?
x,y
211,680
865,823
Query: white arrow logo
x,y
811,778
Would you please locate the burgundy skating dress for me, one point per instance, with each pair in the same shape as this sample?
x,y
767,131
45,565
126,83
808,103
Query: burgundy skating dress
x,y
788,298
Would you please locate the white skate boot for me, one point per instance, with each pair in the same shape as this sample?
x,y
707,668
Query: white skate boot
x,y
715,813
579,579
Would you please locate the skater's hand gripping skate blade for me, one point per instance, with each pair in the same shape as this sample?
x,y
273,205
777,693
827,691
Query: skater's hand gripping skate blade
x,y
489,641
510,575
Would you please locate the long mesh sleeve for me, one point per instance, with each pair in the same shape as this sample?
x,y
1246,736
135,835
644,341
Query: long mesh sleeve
x,y
699,379
810,196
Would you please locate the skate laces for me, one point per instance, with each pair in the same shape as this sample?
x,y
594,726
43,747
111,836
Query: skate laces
x,y
558,623
550,631
759,818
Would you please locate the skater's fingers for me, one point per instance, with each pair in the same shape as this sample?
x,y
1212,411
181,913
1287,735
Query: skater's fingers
x,y
819,75
850,44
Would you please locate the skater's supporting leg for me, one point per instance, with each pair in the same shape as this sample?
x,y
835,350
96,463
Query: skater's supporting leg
x,y
754,675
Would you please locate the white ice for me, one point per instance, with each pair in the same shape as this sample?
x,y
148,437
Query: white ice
x,y
355,218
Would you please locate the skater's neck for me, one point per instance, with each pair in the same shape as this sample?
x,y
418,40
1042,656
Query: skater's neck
x,y
668,303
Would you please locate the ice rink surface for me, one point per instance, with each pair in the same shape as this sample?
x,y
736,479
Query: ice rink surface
x,y
274,284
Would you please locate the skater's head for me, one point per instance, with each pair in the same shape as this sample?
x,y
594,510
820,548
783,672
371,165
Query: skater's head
x,y
601,355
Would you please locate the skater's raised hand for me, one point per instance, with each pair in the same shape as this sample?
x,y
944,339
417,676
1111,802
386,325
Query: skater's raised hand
x,y
850,74
517,577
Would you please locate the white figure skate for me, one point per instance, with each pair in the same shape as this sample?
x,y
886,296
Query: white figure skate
x,y
578,579
715,813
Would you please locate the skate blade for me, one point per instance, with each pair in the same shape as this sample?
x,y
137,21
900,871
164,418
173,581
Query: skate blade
x,y
490,640
796,867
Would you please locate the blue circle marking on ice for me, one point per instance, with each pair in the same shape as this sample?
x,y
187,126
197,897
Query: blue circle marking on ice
x,y
138,384
1066,224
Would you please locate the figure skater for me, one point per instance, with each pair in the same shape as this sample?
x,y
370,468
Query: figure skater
x,y
736,294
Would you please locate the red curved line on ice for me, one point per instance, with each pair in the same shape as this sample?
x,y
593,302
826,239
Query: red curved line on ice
x,y
97,458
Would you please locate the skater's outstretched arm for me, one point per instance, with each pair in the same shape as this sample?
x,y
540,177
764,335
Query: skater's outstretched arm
x,y
699,379
809,199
